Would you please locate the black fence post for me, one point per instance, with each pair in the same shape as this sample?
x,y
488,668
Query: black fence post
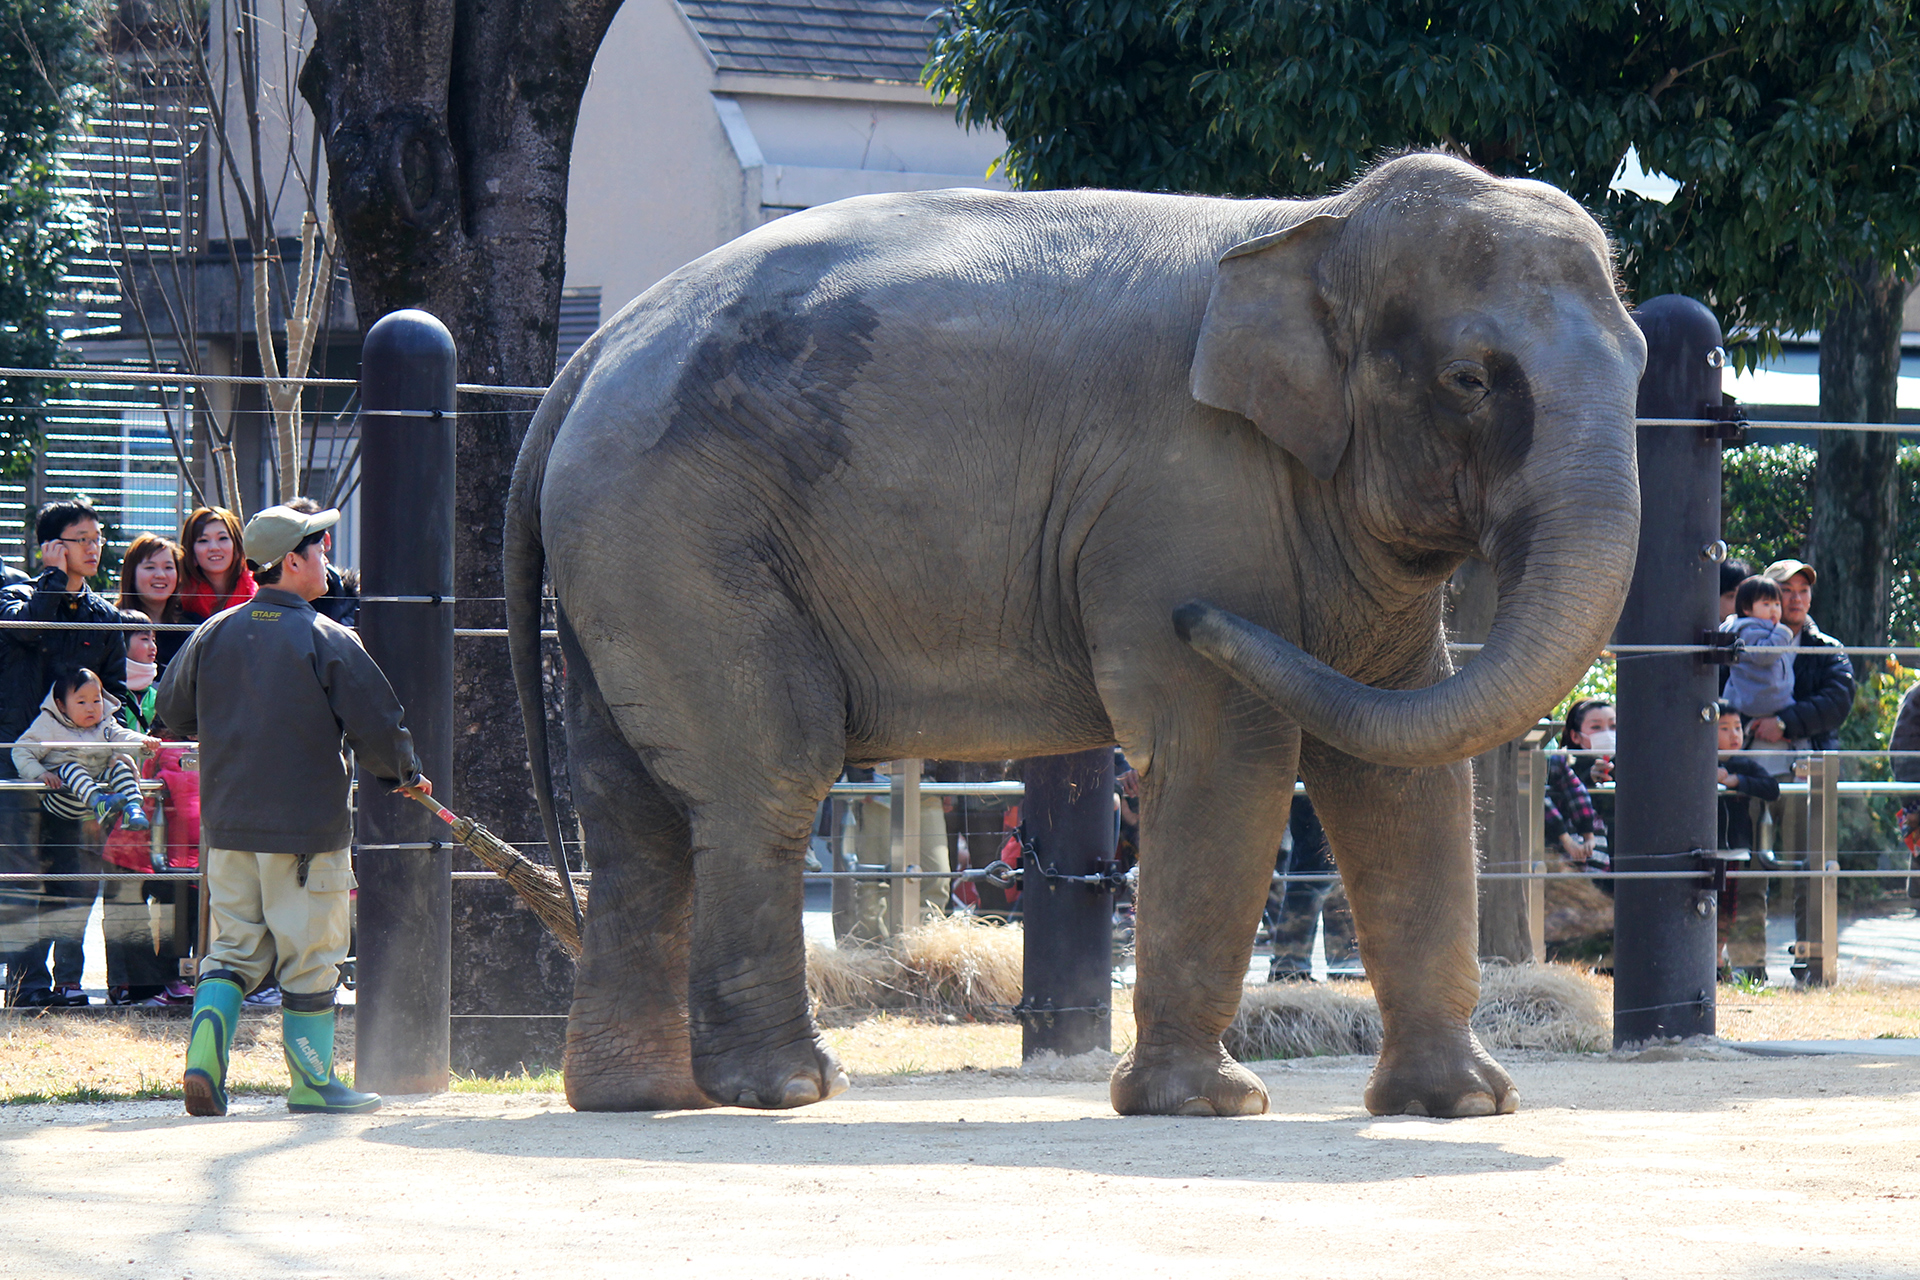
x,y
407,375
1066,975
1664,930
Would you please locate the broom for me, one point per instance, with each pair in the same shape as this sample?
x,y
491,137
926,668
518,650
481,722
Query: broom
x,y
542,889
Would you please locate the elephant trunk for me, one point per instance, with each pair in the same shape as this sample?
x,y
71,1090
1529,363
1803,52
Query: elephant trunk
x,y
1563,567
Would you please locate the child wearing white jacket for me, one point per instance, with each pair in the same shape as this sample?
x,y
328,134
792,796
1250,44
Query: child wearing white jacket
x,y
84,780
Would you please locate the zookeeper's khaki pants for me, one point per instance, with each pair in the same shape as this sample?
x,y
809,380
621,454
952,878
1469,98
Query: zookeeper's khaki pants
x,y
265,922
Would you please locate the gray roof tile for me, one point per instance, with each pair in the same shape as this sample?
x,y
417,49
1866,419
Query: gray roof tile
x,y
844,39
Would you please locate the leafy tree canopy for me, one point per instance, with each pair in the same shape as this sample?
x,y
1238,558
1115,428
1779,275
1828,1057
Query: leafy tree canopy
x,y
1791,125
48,63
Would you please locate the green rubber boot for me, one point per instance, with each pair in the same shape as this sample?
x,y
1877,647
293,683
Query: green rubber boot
x,y
316,1090
216,1008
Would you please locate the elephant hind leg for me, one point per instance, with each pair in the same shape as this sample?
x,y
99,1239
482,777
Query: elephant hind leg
x,y
627,1041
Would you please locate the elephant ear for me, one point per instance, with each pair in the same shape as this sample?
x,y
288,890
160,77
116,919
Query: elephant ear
x,y
1267,349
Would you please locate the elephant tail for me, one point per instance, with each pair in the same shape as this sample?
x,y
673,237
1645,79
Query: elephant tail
x,y
525,573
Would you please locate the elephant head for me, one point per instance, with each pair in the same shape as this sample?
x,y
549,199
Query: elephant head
x,y
1447,349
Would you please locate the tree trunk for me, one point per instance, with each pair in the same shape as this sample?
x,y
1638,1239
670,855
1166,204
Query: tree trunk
x,y
449,130
1855,486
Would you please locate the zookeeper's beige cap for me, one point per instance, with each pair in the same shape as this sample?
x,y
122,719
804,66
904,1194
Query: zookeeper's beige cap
x,y
277,530
1780,571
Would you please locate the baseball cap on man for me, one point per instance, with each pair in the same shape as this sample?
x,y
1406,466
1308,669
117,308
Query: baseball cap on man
x,y
1780,571
277,530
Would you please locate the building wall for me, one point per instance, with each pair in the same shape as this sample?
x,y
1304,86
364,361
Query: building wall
x,y
291,165
653,183
673,158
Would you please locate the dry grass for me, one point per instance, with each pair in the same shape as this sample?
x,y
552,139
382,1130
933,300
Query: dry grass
x,y
1553,1007
53,1057
1846,1011
952,967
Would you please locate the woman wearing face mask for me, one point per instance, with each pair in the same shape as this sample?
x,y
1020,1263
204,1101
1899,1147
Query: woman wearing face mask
x,y
216,574
1590,727
150,575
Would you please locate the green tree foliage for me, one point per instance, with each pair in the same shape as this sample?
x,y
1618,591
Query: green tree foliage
x,y
1790,125
1767,498
48,63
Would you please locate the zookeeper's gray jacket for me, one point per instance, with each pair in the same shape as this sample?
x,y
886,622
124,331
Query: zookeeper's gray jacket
x,y
272,688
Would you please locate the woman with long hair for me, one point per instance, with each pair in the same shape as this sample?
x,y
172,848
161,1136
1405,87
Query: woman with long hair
x,y
150,575
216,574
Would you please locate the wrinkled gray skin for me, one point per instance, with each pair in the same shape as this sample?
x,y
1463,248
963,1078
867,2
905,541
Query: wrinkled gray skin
x,y
972,475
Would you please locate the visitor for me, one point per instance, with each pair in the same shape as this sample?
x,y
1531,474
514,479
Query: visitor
x,y
1571,825
150,575
1732,574
1822,673
1905,747
1822,699
216,573
1588,736
1743,908
146,936
70,545
1298,906
342,599
1759,683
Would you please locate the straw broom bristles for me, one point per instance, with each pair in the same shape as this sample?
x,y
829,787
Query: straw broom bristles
x,y
538,886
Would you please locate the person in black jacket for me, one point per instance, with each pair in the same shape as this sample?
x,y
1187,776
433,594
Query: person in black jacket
x,y
1822,674
1743,909
1822,700
1906,768
70,545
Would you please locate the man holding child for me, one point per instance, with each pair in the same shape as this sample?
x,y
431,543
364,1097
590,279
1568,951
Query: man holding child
x,y
1794,706
68,533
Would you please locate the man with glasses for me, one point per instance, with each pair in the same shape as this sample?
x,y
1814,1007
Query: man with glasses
x,y
68,533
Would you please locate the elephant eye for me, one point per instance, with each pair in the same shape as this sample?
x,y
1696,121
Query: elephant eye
x,y
1467,381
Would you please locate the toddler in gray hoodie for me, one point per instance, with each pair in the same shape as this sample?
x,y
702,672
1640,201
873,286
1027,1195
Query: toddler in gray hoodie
x,y
84,779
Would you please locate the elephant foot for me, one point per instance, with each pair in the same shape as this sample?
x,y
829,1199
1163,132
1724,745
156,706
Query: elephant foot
x,y
1449,1081
604,1074
792,1075
1185,1082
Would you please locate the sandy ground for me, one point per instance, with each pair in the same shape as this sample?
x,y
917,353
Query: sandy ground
x,y
1726,1165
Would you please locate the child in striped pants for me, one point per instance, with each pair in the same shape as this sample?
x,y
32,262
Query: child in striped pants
x,y
58,748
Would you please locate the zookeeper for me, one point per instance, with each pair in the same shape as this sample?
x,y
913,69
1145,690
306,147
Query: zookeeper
x,y
272,688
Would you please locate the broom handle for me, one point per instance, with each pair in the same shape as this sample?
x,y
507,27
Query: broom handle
x,y
440,811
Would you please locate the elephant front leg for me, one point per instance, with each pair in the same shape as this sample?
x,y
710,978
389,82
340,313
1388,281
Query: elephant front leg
x,y
1403,842
754,1040
1206,862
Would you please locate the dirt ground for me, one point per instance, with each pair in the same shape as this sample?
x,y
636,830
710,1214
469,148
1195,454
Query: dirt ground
x,y
1723,1165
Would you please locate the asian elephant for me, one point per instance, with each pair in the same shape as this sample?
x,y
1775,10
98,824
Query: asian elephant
x,y
976,475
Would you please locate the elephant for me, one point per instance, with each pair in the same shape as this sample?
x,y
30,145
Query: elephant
x,y
1229,451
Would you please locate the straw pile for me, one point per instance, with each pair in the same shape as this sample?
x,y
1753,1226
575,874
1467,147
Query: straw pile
x,y
1551,1007
954,966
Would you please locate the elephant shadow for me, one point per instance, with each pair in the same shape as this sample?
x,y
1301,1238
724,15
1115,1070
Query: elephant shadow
x,y
1327,1150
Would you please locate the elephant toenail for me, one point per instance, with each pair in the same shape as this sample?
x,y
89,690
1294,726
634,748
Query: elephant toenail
x,y
1195,1107
1415,1107
840,1084
1474,1104
800,1091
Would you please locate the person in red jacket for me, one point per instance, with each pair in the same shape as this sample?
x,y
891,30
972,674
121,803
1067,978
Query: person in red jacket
x,y
217,576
